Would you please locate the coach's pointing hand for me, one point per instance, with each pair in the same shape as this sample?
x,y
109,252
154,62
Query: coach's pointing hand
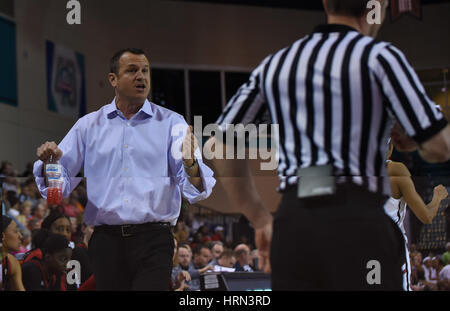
x,y
45,151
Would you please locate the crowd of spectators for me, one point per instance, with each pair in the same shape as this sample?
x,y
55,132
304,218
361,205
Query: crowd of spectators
x,y
22,202
37,222
201,247
430,273
199,250
207,250
190,263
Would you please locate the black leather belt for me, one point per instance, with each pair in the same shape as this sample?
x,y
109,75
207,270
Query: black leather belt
x,y
130,230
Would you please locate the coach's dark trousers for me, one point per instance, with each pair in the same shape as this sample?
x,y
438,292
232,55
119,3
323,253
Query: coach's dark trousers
x,y
128,260
336,242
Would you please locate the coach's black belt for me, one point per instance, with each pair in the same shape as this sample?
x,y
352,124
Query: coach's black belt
x,y
130,230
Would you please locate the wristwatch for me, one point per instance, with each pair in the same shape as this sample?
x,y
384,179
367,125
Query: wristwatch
x,y
193,164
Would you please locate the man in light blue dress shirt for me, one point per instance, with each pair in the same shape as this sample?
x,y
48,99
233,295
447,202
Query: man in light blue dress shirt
x,y
139,159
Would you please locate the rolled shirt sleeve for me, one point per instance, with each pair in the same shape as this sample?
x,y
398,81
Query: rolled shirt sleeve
x,y
189,191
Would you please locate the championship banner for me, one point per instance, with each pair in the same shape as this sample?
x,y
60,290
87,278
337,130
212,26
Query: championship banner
x,y
401,7
65,81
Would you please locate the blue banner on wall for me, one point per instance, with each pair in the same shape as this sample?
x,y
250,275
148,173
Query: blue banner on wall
x,y
8,63
65,81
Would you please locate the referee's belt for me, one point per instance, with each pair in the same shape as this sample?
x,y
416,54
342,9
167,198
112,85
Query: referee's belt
x,y
130,230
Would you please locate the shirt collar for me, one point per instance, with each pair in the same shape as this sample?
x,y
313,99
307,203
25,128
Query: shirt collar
x,y
327,28
112,111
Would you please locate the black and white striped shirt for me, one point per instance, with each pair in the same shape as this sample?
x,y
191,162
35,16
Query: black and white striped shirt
x,y
335,95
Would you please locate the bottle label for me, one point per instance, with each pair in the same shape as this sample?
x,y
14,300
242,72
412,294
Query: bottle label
x,y
56,178
53,169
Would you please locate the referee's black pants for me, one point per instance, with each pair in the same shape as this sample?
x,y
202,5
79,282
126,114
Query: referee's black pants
x,y
326,243
142,261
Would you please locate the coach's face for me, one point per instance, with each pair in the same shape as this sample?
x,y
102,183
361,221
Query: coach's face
x,y
132,82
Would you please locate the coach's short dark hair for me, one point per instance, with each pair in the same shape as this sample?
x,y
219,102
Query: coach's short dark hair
x,y
114,63
347,7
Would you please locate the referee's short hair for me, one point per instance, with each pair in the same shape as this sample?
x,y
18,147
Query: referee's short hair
x,y
347,7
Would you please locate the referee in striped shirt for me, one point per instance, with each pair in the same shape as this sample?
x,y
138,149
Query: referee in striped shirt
x,y
336,95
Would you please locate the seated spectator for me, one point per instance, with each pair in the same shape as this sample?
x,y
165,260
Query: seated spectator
x,y
184,257
34,224
444,275
431,277
24,212
10,182
188,248
10,266
47,272
201,257
446,255
25,244
437,264
181,232
430,271
38,212
226,259
413,248
196,267
218,234
216,250
204,231
26,239
183,276
417,272
57,223
196,222
242,252
6,169
197,240
28,193
13,204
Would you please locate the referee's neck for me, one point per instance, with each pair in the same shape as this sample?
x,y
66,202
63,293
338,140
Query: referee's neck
x,y
350,21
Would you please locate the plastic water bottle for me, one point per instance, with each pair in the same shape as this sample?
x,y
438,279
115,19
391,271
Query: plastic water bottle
x,y
55,182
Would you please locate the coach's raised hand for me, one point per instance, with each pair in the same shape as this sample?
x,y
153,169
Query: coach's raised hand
x,y
45,151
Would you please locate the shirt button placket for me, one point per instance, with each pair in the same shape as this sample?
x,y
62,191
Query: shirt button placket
x,y
126,161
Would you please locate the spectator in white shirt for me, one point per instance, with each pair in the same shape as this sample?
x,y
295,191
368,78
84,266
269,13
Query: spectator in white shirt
x,y
444,275
430,271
